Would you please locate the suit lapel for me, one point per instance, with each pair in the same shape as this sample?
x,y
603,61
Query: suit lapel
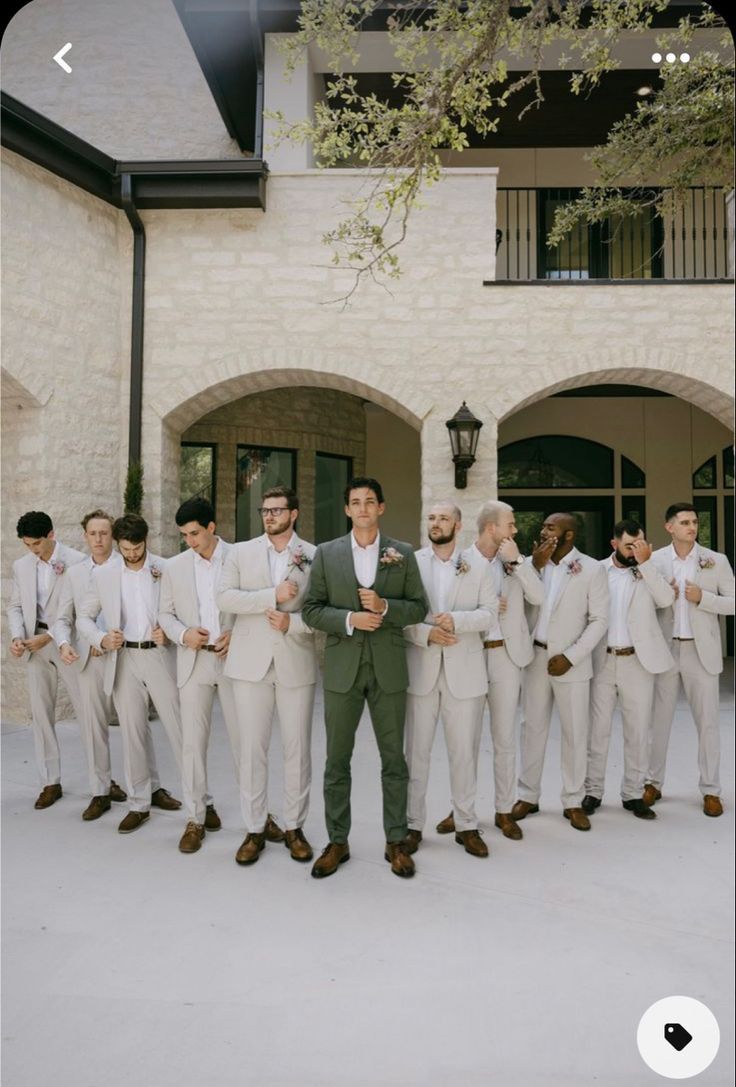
x,y
455,583
382,570
348,570
191,603
567,577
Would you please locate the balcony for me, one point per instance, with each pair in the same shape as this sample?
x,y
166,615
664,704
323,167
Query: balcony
x,y
694,245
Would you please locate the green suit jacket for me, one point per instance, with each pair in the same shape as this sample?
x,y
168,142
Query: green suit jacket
x,y
333,592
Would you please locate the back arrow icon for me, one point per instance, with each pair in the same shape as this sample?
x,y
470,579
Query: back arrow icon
x,y
59,57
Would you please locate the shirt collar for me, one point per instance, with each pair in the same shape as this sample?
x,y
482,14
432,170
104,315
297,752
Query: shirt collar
x,y
113,558
571,556
370,547
215,557
52,558
687,558
290,547
445,562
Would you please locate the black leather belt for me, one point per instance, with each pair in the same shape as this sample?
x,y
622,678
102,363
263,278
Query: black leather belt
x,y
139,645
674,639
494,644
42,626
542,645
626,651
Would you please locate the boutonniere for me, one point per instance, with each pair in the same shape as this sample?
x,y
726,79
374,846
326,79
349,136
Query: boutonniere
x,y
461,566
156,572
299,559
391,557
509,567
58,567
636,574
574,567
706,564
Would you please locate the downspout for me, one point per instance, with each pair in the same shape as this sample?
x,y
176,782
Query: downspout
x,y
135,411
257,39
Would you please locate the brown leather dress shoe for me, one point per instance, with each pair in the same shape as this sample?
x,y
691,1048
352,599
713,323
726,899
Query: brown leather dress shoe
x,y
273,831
191,839
298,846
473,842
712,806
162,798
412,840
578,819
522,808
651,795
400,861
332,856
508,826
48,796
212,820
447,825
250,849
132,821
117,794
97,806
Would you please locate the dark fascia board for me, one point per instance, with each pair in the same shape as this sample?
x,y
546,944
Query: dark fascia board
x,y
217,183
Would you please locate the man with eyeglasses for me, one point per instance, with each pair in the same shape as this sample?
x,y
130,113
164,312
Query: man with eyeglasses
x,y
273,666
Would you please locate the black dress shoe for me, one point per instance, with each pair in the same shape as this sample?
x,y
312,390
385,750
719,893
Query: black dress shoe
x,y
639,808
589,804
117,794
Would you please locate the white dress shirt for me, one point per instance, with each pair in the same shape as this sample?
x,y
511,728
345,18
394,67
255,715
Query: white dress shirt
x,y
365,564
683,570
553,576
279,561
44,581
495,565
621,585
138,614
442,572
206,576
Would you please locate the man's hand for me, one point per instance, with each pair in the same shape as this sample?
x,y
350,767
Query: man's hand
x,y
542,552
195,637
365,620
558,665
445,622
371,601
508,551
693,592
278,620
158,636
112,640
641,550
285,591
38,641
676,587
502,605
67,654
223,643
438,636
17,647
94,652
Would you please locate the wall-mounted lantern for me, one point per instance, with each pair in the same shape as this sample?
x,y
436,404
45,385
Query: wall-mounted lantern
x,y
464,429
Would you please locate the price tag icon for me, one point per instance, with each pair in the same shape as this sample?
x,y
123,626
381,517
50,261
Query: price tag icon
x,y
677,1036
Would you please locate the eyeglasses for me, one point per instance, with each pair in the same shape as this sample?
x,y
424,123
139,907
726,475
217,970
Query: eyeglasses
x,y
272,511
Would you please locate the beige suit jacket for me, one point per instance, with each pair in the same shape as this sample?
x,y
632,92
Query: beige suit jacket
x,y
714,576
246,592
179,608
104,594
651,592
579,618
23,607
472,604
73,592
521,587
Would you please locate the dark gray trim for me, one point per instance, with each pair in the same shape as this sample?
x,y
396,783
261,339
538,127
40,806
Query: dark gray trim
x,y
601,282
135,410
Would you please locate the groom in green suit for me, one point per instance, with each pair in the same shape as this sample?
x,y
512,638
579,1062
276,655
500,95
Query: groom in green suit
x,y
364,589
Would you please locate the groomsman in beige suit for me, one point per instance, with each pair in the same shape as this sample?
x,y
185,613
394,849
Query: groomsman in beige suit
x,y
88,665
625,664
273,666
37,581
191,619
566,629
137,662
704,589
447,676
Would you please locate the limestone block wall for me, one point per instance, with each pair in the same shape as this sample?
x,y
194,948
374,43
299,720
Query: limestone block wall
x,y
65,328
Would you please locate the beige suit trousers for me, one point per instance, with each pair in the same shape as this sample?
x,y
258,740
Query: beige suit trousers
x,y
45,666
540,692
626,678
196,698
140,673
255,703
462,722
504,688
701,692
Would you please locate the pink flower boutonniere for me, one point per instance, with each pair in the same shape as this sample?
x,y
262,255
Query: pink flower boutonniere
x,y
461,567
706,564
299,559
574,567
391,557
58,567
156,572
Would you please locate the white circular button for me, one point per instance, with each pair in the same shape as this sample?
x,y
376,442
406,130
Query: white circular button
x,y
678,1037
656,57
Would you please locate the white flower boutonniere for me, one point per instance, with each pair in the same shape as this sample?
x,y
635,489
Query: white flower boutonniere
x,y
391,557
156,572
574,567
461,567
299,559
706,563
636,574
58,567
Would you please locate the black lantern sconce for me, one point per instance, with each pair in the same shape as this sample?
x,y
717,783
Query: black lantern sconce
x,y
464,429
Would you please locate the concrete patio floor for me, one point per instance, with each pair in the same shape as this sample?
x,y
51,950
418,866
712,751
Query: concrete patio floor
x,y
126,962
